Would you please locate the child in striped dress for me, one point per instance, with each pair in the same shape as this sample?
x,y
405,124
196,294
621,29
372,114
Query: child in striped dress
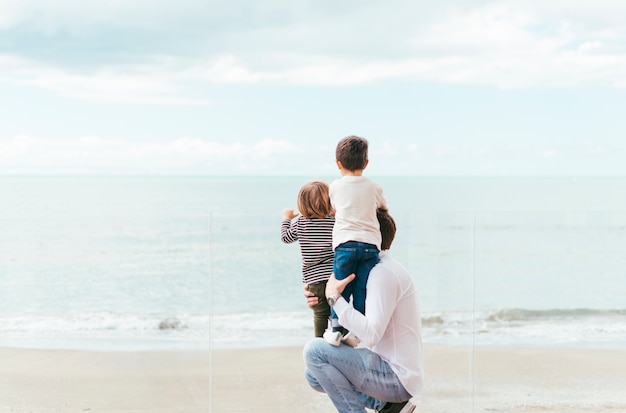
x,y
313,229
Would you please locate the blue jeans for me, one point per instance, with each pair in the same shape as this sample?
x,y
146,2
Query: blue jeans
x,y
353,378
357,258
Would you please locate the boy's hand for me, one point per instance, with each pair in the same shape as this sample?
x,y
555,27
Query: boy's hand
x,y
289,214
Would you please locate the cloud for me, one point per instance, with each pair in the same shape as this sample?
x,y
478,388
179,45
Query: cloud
x,y
92,154
504,45
51,16
191,155
148,83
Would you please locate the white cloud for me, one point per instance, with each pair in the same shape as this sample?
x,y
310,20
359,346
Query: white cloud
x,y
495,44
270,147
149,83
508,48
17,147
95,155
52,16
92,154
504,45
226,69
590,46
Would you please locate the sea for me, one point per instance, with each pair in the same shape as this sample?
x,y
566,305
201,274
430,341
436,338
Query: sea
x,y
143,263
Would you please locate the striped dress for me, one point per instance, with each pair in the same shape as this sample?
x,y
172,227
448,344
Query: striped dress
x,y
316,238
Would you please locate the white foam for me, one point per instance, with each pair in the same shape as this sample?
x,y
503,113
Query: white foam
x,y
504,327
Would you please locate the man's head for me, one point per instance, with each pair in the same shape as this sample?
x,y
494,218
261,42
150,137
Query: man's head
x,y
387,228
351,153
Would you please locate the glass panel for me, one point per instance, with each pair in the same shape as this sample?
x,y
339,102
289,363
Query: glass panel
x,y
121,294
550,311
438,250
103,295
261,320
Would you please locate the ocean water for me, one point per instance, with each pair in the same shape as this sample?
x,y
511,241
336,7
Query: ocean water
x,y
145,263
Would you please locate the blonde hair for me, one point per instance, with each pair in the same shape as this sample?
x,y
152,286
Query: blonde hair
x,y
314,200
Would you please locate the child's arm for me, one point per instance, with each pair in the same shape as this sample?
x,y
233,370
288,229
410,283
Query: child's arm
x,y
289,230
289,214
381,202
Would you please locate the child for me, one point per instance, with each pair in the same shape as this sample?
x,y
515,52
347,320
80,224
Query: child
x,y
356,235
313,230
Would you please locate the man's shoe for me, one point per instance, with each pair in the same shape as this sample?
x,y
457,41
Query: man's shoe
x,y
333,337
402,407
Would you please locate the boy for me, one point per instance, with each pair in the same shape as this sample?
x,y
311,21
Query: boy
x,y
356,234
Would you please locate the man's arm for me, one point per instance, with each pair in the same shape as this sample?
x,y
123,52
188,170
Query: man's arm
x,y
380,305
335,287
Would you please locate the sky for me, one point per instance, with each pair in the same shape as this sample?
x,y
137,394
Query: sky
x,y
233,87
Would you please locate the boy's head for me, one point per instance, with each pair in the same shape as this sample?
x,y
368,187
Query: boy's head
x,y
387,228
314,200
351,152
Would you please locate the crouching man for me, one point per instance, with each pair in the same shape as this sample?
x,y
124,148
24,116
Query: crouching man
x,y
386,370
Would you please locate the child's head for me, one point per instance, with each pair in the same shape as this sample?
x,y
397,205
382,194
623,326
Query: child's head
x,y
352,153
314,200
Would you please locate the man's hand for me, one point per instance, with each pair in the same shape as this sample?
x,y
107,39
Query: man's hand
x,y
334,286
311,299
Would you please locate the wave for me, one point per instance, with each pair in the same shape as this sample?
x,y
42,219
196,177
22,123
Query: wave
x,y
519,314
104,324
577,327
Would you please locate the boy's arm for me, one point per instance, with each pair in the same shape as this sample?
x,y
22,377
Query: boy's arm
x,y
381,202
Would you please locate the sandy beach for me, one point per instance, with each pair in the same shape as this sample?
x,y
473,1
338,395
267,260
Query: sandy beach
x,y
489,379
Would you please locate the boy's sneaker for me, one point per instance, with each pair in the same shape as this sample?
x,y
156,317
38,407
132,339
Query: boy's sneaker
x,y
351,340
402,407
333,337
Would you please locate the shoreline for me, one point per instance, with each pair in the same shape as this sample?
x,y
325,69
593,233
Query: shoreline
x,y
496,379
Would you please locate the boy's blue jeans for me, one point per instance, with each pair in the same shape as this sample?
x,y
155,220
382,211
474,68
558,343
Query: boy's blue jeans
x,y
353,378
354,257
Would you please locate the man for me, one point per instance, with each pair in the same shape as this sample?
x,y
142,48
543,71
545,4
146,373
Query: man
x,y
387,369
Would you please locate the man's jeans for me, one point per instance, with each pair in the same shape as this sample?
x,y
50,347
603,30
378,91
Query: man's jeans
x,y
353,378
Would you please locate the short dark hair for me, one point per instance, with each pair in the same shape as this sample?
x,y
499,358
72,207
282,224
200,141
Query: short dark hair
x,y
387,228
352,152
